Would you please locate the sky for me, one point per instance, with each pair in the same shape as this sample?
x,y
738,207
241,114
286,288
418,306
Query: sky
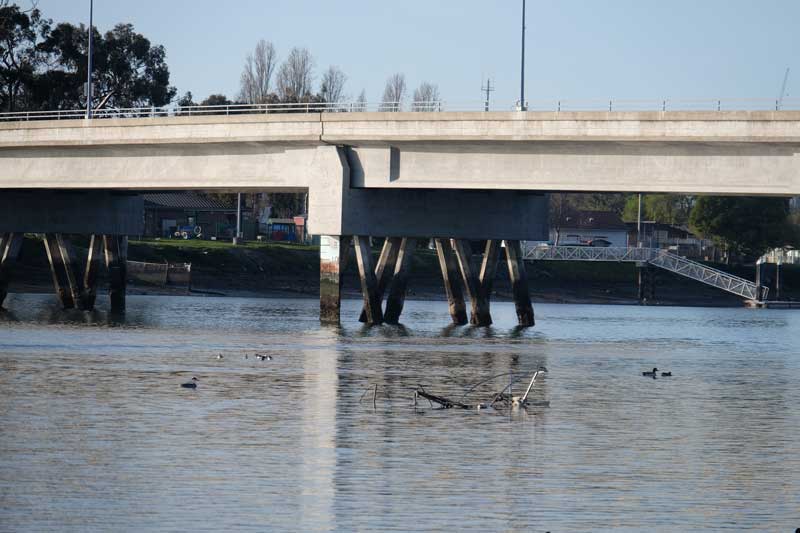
x,y
576,49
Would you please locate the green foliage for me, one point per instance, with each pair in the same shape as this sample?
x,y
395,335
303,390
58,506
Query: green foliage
x,y
45,67
746,226
664,208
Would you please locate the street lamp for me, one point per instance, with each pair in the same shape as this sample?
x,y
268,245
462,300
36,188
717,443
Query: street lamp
x,y
89,66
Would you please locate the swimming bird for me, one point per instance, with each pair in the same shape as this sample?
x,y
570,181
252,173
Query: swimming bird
x,y
666,374
190,384
264,357
650,374
219,356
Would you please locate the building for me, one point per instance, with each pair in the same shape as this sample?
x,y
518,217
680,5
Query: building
x,y
589,228
187,215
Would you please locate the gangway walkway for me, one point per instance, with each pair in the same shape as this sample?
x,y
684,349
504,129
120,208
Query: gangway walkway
x,y
656,257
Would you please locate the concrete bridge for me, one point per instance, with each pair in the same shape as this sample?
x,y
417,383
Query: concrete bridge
x,y
398,175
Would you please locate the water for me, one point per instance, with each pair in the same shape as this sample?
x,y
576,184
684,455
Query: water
x,y
95,432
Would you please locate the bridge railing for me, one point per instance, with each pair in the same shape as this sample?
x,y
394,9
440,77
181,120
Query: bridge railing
x,y
553,105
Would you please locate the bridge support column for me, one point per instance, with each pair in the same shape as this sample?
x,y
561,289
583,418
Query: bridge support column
x,y
369,284
61,258
89,294
399,284
479,286
10,246
116,255
384,268
334,251
519,284
452,287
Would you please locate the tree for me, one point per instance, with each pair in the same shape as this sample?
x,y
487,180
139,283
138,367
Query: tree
x,y
361,101
295,76
257,74
216,99
20,55
127,66
332,85
187,100
394,92
747,227
560,206
426,97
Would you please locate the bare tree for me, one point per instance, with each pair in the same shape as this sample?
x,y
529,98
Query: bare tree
x,y
257,74
394,92
426,97
332,86
361,101
295,75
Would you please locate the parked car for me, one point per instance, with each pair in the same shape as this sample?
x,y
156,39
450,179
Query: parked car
x,y
599,243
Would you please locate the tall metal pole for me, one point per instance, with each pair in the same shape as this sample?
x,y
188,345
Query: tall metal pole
x,y
238,218
639,224
89,66
522,106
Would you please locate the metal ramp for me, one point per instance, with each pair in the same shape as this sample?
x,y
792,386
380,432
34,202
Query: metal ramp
x,y
656,257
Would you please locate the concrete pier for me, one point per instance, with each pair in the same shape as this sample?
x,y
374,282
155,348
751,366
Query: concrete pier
x,y
10,246
399,283
519,284
333,254
452,285
116,255
369,284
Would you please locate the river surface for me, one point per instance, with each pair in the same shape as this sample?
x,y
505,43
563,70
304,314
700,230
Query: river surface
x,y
97,434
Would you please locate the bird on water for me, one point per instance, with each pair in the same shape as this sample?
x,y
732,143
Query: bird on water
x,y
190,384
219,356
650,374
264,357
666,374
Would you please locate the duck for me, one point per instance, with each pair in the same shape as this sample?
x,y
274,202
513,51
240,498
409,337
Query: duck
x,y
264,357
190,384
651,374
666,374
220,356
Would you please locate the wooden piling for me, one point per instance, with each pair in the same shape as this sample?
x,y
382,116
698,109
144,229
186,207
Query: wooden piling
x,y
10,247
385,268
463,251
519,284
116,256
452,287
61,281
89,293
486,281
334,251
369,284
397,288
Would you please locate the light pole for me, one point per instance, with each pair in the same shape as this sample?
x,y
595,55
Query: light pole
x,y
89,66
522,106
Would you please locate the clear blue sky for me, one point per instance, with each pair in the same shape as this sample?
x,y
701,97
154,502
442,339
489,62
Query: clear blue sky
x,y
576,48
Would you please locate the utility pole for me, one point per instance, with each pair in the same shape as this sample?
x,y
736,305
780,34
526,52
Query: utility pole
x,y
89,65
639,224
488,90
238,218
522,64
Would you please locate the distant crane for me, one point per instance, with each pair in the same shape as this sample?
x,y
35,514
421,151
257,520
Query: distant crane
x,y
783,90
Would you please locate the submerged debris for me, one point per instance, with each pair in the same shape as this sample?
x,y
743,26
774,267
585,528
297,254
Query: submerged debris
x,y
502,399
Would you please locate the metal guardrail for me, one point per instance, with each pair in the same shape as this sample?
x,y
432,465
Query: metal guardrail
x,y
727,104
656,257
